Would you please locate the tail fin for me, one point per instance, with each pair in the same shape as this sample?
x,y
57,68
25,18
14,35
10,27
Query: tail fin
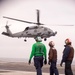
x,y
8,32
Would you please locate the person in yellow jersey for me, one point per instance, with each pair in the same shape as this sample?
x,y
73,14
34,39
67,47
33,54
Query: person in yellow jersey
x,y
40,54
67,58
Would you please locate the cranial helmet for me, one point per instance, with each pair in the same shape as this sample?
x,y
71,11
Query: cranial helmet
x,y
38,39
67,41
51,43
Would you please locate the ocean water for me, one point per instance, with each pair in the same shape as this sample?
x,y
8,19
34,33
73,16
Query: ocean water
x,y
58,62
13,60
23,60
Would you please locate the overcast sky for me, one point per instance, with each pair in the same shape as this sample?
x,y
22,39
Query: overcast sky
x,y
52,12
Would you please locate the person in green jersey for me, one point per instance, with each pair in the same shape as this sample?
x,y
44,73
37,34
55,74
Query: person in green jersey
x,y
39,53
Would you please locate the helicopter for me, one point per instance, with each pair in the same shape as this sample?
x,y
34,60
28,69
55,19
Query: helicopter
x,y
32,31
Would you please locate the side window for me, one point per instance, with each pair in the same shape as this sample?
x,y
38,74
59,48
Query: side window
x,y
26,28
45,29
49,32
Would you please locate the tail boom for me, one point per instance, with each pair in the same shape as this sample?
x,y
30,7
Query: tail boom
x,y
4,33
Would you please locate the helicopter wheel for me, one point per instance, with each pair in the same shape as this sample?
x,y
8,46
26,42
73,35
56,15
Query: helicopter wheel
x,y
25,40
45,39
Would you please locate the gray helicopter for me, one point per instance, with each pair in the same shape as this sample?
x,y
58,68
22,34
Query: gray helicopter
x,y
32,31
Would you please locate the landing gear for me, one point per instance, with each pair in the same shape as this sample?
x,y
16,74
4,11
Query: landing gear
x,y
45,39
25,40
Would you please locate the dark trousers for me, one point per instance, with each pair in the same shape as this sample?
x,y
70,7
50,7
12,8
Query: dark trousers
x,y
38,63
68,70
53,68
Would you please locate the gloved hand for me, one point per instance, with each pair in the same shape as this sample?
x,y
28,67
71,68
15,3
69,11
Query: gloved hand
x,y
61,64
48,62
45,62
29,62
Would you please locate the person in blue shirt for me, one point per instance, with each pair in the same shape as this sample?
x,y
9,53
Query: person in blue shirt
x,y
67,58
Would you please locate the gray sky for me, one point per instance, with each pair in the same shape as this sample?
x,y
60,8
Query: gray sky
x,y
52,12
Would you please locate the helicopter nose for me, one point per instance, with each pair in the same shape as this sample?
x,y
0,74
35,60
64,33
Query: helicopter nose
x,y
55,32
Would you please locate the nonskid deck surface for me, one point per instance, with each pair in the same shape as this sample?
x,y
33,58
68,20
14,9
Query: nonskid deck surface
x,y
12,72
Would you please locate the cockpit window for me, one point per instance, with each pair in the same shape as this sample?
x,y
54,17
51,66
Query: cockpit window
x,y
49,32
26,28
34,27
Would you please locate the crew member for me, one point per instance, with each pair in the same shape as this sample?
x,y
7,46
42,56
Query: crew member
x,y
39,53
67,58
52,58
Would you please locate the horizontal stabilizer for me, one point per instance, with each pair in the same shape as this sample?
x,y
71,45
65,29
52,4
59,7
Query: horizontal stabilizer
x,y
4,33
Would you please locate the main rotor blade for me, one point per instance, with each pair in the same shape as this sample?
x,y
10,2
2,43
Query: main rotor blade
x,y
62,25
19,20
23,21
38,16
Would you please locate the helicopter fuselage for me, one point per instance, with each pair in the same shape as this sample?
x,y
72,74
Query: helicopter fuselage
x,y
35,31
31,32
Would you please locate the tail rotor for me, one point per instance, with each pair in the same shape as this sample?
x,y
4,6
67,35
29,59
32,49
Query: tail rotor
x,y
6,26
